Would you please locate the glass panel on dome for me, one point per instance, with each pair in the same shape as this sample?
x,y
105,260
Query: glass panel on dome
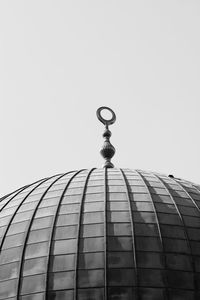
x,y
41,223
140,197
182,294
155,293
188,211
45,212
135,189
93,217
94,189
90,294
119,293
49,202
95,183
36,250
61,280
193,233
120,243
90,278
94,197
144,217
77,191
149,260
115,182
71,199
92,230
34,266
117,197
169,219
9,271
66,232
172,231
161,198
175,245
19,217
76,184
151,277
17,228
71,219
93,206
166,208
117,229
13,241
180,279
27,206
91,260
122,277
120,259
117,205
195,247
38,235
64,246
148,244
142,206
69,208
159,191
178,261
37,296
191,221
118,217
116,188
62,262
5,221
91,244
31,284
8,289
61,295
186,202
10,255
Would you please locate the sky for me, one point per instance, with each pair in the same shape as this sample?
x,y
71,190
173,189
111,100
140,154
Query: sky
x,y
61,60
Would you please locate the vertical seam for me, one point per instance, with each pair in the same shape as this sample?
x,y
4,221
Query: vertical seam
x,y
105,233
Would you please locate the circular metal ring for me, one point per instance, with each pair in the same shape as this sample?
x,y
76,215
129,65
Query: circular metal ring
x,y
104,121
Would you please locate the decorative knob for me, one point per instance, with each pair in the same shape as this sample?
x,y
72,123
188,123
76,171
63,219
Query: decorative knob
x,y
108,149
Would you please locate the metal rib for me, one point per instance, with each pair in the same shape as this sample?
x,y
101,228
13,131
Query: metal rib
x,y
160,235
78,234
132,229
186,234
27,235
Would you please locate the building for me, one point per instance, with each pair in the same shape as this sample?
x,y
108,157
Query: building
x,y
104,233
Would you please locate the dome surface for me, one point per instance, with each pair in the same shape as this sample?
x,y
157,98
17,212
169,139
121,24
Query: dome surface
x,y
101,234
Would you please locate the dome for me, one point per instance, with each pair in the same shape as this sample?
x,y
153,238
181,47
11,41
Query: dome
x,y
101,234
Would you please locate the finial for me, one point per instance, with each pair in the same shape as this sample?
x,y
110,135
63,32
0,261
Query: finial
x,y
107,150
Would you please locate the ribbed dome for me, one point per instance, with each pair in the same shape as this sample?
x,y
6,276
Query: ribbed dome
x,y
101,234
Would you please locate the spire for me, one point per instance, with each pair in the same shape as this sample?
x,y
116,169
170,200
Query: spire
x,y
107,150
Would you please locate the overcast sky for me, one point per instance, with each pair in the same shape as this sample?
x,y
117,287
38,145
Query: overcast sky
x,y
61,60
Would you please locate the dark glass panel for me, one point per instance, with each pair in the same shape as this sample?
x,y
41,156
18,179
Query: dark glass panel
x,y
179,262
61,280
17,228
92,230
166,208
90,278
169,219
91,260
120,243
66,232
153,294
193,233
122,229
90,294
62,262
91,244
183,201
149,260
177,294
9,271
146,229
118,217
64,220
148,244
93,206
13,241
195,247
10,255
36,250
151,277
94,217
175,245
172,231
189,211
61,295
42,223
158,191
34,266
161,198
64,246
8,289
32,284
144,217
191,221
119,293
120,259
121,277
39,235
179,279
